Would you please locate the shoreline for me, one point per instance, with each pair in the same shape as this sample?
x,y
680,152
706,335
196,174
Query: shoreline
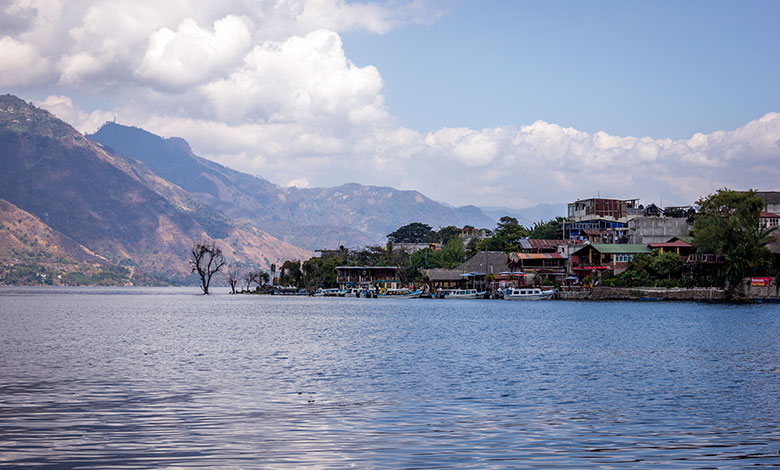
x,y
699,294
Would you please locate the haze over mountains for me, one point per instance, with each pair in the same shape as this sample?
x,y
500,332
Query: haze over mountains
x,y
349,215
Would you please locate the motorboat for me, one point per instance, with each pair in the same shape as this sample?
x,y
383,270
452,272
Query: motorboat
x,y
462,294
403,293
527,293
328,293
352,292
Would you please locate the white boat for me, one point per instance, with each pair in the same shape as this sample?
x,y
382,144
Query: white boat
x,y
462,294
403,293
527,293
352,292
328,293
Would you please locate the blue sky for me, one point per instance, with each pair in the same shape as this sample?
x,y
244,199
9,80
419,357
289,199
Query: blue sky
x,y
661,69
469,102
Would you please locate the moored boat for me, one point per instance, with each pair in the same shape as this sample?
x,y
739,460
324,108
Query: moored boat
x,y
328,293
403,293
462,294
352,292
527,293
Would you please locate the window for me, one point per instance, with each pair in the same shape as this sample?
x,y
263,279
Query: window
x,y
623,258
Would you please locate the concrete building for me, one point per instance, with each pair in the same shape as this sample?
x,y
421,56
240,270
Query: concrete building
x,y
646,230
771,200
596,207
600,220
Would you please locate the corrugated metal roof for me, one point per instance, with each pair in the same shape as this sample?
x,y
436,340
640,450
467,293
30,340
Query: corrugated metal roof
x,y
540,244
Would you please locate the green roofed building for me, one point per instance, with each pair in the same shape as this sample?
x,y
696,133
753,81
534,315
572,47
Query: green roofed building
x,y
606,257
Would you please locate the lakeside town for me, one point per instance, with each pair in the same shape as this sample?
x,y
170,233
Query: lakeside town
x,y
726,246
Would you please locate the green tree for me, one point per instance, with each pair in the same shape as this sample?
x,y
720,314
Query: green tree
x,y
476,245
547,230
320,272
290,273
506,237
402,260
666,264
447,233
452,253
424,259
728,223
413,233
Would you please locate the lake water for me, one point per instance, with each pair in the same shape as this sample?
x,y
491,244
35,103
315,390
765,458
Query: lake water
x,y
165,378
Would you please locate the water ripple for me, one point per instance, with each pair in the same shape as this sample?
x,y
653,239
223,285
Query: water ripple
x,y
110,378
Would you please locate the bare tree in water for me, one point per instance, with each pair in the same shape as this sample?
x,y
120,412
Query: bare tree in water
x,y
206,260
233,274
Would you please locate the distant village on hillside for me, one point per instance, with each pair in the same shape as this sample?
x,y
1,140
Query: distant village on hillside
x,y
606,241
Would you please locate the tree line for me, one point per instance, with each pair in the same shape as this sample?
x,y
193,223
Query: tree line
x,y
727,223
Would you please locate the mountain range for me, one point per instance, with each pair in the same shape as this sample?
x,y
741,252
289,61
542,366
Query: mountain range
x,y
114,207
126,197
350,215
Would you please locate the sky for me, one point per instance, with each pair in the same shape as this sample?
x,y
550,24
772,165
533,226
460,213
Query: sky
x,y
492,103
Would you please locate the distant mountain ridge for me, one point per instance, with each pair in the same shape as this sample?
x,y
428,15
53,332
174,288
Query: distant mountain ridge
x,y
112,205
349,215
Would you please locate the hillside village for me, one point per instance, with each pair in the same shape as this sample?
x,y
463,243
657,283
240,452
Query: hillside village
x,y
123,206
603,241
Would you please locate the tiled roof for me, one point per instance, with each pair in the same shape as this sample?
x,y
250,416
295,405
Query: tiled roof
x,y
769,215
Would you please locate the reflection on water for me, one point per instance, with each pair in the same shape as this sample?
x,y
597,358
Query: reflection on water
x,y
144,378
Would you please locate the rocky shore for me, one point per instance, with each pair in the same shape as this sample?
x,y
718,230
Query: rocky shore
x,y
745,293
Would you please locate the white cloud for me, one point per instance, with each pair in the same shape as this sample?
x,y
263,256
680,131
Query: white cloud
x,y
301,79
266,87
190,55
63,108
21,63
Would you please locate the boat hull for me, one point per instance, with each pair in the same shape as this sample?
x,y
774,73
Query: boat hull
x,y
529,297
529,294
404,295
